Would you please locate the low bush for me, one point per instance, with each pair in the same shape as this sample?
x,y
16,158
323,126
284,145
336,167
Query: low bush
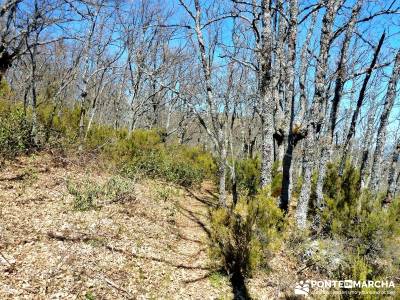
x,y
15,131
242,238
277,176
89,194
356,233
247,176
145,153
357,215
141,152
85,194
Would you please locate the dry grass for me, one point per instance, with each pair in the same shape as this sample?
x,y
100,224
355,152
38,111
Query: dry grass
x,y
154,245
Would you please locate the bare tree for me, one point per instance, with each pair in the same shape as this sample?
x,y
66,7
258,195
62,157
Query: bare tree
x,y
381,135
11,42
316,115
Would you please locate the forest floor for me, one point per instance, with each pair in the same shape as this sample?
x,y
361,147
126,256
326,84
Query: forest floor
x,y
151,246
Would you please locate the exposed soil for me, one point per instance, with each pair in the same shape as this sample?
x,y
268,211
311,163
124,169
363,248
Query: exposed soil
x,y
152,246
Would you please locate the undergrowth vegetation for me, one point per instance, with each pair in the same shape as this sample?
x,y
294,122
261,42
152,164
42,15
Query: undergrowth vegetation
x,y
248,170
358,217
245,237
90,195
145,153
14,131
141,152
356,236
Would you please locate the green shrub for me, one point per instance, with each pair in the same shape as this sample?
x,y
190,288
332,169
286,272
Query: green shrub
x,y
136,143
344,189
85,194
276,184
357,215
157,164
98,137
217,279
89,194
164,192
118,189
89,296
5,90
247,176
364,230
145,153
15,131
242,239
200,160
138,152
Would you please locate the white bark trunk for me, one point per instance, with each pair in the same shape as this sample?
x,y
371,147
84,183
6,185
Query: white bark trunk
x,y
267,101
317,111
394,169
381,137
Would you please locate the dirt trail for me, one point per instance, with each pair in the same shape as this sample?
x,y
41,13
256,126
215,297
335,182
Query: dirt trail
x,y
154,247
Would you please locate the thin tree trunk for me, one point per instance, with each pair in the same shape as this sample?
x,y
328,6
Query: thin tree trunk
x,y
222,170
84,80
317,112
118,99
7,56
304,68
218,137
278,75
34,132
360,101
32,54
289,110
381,136
364,166
391,191
397,185
327,143
267,101
302,203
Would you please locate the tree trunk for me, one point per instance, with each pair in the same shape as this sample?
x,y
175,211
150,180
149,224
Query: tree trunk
x,y
360,101
287,174
267,101
304,68
278,83
317,110
325,155
327,144
34,131
267,147
222,175
302,203
366,146
381,136
289,109
391,191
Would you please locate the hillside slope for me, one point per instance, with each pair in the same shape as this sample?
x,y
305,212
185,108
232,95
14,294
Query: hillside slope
x,y
151,244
